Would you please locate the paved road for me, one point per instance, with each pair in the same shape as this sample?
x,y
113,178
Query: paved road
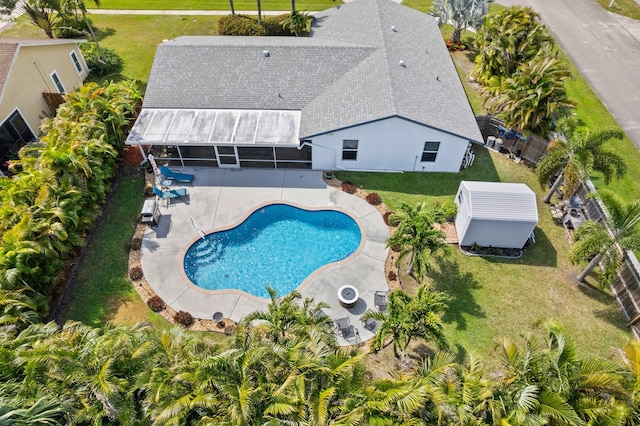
x,y
605,48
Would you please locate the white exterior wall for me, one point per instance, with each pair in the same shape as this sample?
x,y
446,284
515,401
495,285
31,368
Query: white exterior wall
x,y
390,144
496,233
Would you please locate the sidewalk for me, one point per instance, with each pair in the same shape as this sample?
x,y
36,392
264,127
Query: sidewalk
x,y
184,12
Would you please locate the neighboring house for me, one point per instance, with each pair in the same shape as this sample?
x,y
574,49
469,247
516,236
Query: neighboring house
x,y
29,69
495,214
372,88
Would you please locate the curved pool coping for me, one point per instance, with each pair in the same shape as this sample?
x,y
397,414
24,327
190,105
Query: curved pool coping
x,y
305,282
221,197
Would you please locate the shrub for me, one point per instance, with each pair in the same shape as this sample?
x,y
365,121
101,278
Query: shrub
x,y
348,187
386,217
108,63
240,25
183,318
136,273
392,276
71,28
447,209
273,25
156,304
392,219
135,244
396,248
374,199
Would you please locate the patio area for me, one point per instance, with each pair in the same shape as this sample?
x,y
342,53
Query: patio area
x,y
220,198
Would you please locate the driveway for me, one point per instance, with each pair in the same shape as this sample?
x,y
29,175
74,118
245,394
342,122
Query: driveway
x,y
221,198
605,48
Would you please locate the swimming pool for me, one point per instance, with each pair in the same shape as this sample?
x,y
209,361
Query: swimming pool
x,y
277,245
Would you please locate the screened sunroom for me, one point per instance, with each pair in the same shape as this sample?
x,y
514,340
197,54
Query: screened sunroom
x,y
222,137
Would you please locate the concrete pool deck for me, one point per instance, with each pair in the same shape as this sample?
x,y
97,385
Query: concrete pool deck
x,y
220,198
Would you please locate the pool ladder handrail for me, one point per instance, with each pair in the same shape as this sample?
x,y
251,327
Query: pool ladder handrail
x,y
197,228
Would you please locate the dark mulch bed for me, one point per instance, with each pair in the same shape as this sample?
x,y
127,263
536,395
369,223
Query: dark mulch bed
x,y
492,252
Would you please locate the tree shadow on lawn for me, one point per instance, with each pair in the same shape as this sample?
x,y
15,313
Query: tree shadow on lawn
x,y
428,184
102,33
447,278
610,311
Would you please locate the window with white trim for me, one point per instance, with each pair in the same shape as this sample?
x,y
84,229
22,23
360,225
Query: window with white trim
x,y
430,152
76,62
349,149
57,82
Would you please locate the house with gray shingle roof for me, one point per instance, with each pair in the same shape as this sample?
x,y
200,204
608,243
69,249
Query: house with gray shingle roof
x,y
29,68
372,88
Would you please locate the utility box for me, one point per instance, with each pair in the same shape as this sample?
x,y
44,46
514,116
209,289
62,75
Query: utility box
x,y
150,213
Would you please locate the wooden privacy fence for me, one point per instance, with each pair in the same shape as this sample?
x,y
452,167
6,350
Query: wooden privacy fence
x,y
531,149
626,287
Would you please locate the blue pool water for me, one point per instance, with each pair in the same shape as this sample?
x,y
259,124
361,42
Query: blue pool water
x,y
278,245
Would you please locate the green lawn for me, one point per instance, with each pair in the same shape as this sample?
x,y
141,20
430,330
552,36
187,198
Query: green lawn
x,y
103,287
492,298
628,8
285,5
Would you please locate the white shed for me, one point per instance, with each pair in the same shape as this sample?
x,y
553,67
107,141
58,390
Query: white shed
x,y
495,214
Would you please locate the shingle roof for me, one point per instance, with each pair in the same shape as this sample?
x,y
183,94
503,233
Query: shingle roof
x,y
347,73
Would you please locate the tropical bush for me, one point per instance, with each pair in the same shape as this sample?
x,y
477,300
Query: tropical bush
x,y
348,187
135,244
101,64
50,203
523,75
240,25
243,25
183,318
374,199
70,28
136,273
156,304
274,25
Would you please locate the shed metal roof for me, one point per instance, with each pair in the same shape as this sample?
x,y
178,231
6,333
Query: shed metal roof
x,y
514,202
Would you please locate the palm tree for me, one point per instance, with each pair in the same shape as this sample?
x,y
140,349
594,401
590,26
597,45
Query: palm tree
x,y
285,318
461,14
550,383
506,40
417,238
534,96
606,242
576,158
17,311
43,14
408,317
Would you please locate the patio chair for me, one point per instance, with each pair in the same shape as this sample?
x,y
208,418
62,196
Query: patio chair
x,y
380,300
369,324
170,194
176,176
342,325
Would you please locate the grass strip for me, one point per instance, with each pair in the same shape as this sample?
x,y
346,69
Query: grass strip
x,y
102,283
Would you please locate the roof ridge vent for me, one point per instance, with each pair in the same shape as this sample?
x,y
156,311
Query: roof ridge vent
x,y
266,53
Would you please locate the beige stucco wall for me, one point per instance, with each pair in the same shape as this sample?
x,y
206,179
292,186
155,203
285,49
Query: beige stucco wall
x,y
30,76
